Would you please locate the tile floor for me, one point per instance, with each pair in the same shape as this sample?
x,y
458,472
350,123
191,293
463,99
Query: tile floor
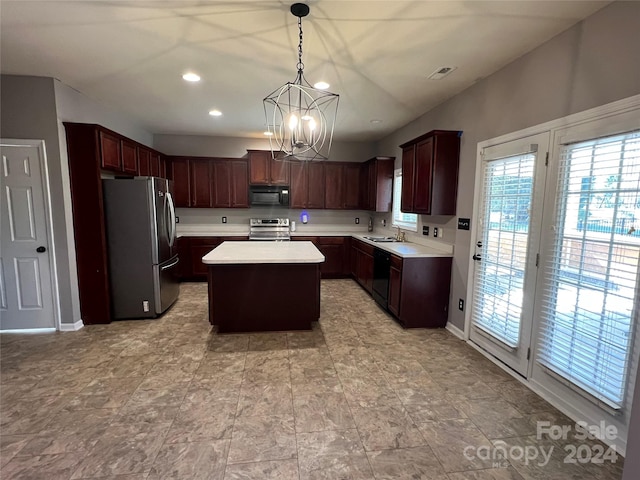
x,y
356,398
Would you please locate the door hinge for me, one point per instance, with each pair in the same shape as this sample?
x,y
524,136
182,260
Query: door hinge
x,y
528,353
546,160
537,259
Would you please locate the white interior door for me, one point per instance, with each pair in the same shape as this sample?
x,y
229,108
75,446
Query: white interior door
x,y
512,177
26,299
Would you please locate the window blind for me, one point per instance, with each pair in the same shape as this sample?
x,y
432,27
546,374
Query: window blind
x,y
400,218
507,185
591,279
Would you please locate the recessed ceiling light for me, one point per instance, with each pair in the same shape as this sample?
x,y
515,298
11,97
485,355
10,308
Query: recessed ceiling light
x,y
376,120
268,134
191,77
321,85
441,73
215,113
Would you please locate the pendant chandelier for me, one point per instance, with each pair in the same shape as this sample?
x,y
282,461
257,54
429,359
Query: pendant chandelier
x,y
300,118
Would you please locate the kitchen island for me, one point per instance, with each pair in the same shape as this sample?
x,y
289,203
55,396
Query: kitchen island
x,y
263,286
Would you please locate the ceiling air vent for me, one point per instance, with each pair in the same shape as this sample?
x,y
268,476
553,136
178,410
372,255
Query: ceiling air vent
x,y
441,73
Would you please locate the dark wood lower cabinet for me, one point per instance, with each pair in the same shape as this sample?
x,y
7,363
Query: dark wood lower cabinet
x,y
336,252
418,287
238,294
192,249
363,264
395,282
419,291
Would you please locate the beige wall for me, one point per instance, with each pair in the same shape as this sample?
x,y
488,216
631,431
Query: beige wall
x,y
591,64
236,147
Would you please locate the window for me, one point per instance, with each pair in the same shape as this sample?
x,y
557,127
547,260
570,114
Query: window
x,y
408,221
589,298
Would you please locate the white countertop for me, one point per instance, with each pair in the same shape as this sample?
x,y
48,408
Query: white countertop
x,y
410,250
430,248
263,252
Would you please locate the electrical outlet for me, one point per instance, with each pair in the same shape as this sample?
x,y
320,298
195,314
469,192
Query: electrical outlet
x,y
177,219
224,219
145,305
425,230
357,221
461,305
436,230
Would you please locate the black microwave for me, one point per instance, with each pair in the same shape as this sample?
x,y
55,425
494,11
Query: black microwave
x,y
266,195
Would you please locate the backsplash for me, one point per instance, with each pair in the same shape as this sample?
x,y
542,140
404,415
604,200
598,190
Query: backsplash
x,y
319,221
238,219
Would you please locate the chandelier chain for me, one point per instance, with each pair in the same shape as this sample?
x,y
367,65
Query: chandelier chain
x,y
300,65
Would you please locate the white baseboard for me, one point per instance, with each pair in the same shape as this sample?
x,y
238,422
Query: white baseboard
x,y
71,327
455,330
565,407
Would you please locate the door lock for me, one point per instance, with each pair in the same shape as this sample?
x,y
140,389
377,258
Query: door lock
x,y
41,249
477,257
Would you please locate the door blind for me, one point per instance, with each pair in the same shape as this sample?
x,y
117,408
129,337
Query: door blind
x,y
591,279
505,217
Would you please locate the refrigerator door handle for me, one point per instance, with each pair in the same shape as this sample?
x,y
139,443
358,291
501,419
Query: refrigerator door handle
x,y
172,219
172,264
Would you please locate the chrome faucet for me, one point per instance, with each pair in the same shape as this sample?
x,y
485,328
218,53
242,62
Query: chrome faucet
x,y
400,236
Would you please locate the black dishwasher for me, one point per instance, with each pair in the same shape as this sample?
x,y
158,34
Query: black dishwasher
x,y
381,270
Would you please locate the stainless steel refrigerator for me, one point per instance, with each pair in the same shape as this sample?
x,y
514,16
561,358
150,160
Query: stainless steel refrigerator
x,y
140,226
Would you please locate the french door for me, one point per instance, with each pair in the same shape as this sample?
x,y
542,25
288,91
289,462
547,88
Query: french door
x,y
512,184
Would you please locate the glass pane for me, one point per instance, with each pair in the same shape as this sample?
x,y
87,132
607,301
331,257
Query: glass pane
x,y
508,187
590,299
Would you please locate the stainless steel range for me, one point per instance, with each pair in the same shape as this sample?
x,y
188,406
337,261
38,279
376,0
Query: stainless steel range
x,y
270,229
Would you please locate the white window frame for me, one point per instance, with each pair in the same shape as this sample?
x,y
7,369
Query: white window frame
x,y
405,223
615,117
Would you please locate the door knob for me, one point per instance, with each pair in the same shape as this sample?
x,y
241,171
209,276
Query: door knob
x,y
41,249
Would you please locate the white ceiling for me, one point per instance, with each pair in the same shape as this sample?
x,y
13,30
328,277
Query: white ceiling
x,y
130,55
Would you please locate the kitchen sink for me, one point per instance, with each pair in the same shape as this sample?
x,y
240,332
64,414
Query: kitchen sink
x,y
381,239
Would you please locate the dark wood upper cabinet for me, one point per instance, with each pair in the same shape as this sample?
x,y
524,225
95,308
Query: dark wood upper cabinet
x,y
430,173
144,159
129,157
333,177
299,185
316,187
307,184
379,184
181,181
239,184
210,182
408,183
110,151
222,181
154,165
231,183
264,170
165,169
351,186
200,183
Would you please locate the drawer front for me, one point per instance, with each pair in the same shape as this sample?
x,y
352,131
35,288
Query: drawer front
x,y
331,240
365,247
213,241
396,262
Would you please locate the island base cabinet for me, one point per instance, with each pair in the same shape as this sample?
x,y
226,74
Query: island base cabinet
x,y
263,297
419,291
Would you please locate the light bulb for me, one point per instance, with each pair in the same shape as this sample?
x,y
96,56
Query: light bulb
x,y
312,124
293,121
